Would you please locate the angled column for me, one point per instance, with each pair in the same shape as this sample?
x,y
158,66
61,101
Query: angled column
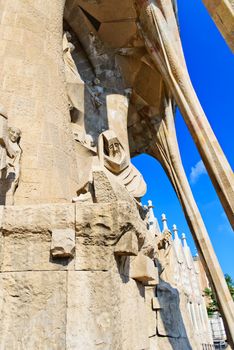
x,y
222,13
165,149
160,31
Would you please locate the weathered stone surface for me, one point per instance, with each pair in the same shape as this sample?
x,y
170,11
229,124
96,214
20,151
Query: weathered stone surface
x,y
142,268
33,310
38,218
93,257
127,245
109,79
105,223
107,189
93,315
63,243
29,251
96,313
133,316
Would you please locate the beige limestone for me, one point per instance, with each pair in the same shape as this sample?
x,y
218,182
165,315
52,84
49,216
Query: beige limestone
x,y
142,269
222,13
127,245
30,303
34,95
63,243
90,300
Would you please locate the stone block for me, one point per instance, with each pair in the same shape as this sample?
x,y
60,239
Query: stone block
x,y
33,310
104,312
29,251
134,317
63,243
37,218
103,188
93,319
154,282
97,223
93,257
142,269
127,245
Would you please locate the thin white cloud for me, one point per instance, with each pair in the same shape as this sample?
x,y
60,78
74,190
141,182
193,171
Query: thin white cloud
x,y
196,171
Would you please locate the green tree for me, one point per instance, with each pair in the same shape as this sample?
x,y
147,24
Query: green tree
x,y
213,305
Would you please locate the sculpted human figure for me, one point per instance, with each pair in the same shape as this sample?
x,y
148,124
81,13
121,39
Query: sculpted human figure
x,y
165,255
11,171
75,85
113,157
3,138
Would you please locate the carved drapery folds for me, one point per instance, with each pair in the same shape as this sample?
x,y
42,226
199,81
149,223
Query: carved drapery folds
x,y
113,157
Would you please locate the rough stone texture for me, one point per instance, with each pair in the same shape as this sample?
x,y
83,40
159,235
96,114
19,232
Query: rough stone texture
x,y
92,316
38,218
143,269
91,301
127,245
63,243
33,310
93,257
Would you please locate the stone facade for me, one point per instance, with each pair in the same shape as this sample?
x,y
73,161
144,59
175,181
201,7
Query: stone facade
x,y
86,85
96,297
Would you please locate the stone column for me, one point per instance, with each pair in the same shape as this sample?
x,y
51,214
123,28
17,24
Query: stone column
x,y
222,13
165,149
33,93
160,31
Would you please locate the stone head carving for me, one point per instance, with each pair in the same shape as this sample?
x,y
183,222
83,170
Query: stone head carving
x,y
111,152
14,134
113,157
67,44
112,147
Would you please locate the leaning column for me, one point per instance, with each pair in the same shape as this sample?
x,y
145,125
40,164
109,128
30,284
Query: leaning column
x,y
160,31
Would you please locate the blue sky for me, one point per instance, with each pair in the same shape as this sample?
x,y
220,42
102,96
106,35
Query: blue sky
x,y
211,67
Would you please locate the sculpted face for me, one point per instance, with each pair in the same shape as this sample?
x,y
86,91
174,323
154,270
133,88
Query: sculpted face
x,y
114,149
14,134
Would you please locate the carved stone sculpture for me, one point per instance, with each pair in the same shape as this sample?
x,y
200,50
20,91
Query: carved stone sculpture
x,y
113,157
92,262
10,164
73,80
3,136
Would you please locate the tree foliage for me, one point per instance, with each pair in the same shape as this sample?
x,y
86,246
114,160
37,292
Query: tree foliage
x,y
212,306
